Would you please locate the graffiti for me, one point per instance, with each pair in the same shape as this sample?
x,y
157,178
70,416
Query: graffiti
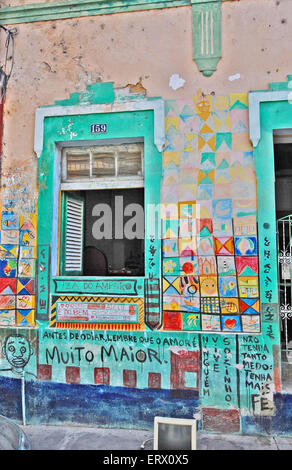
x,y
104,286
43,282
17,350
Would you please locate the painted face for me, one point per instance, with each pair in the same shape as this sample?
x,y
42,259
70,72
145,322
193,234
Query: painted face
x,y
17,351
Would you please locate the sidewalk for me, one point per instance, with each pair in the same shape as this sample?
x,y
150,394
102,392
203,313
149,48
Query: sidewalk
x,y
88,438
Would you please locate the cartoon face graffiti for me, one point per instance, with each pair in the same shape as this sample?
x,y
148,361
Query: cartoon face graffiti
x,y
17,350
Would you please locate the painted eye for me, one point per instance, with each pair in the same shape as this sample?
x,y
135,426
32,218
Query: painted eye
x,y
11,348
22,350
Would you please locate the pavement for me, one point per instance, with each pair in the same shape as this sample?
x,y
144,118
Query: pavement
x,y
90,438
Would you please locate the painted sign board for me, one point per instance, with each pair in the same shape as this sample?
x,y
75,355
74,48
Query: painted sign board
x,y
101,312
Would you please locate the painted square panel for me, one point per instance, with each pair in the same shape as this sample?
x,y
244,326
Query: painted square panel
x,y
210,322
245,246
25,286
25,317
169,228
247,265
7,286
7,302
205,246
27,238
190,303
187,209
207,265
187,228
227,286
187,247
9,251
224,245
25,302
210,305
8,268
191,321
189,265
169,211
26,268
231,323
245,225
250,306
7,318
9,237
226,265
251,323
204,227
208,286
171,285
189,286
229,305
222,209
9,221
248,287
170,247
172,320
170,266
222,228
171,302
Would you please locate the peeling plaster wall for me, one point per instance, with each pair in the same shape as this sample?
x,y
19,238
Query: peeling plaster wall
x,y
55,58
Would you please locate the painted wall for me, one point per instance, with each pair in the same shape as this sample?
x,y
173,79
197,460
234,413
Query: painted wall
x,y
217,352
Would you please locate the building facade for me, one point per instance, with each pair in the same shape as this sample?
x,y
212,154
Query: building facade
x,y
145,221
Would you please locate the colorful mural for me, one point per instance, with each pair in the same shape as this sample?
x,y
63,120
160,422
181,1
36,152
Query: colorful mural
x,y
210,254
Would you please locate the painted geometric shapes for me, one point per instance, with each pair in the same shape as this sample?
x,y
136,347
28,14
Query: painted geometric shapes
x,y
187,247
222,209
7,286
169,211
246,265
25,286
211,323
207,265
251,323
207,161
25,317
170,266
189,265
245,246
170,247
224,245
227,286
245,225
204,227
208,286
250,306
7,318
8,251
229,306
205,246
172,320
8,267
191,321
206,177
226,265
248,287
241,142
231,323
189,286
27,237
210,305
171,285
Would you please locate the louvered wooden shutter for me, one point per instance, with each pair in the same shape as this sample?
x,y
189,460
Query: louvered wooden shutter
x,y
73,235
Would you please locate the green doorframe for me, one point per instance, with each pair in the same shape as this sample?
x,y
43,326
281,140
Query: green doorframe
x,y
268,111
59,126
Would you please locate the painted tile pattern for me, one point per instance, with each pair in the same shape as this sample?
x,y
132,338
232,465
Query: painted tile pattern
x,y
209,228
17,260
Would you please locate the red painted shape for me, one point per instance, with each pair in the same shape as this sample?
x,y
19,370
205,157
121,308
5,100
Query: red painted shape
x,y
172,321
44,372
7,285
243,262
225,421
101,376
154,380
72,375
183,361
129,378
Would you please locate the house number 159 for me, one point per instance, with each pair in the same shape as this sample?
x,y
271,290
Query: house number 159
x,y
98,128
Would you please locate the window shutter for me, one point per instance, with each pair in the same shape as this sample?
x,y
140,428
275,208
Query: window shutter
x,y
73,235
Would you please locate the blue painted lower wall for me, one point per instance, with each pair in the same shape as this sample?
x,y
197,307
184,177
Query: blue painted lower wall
x,y
106,406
